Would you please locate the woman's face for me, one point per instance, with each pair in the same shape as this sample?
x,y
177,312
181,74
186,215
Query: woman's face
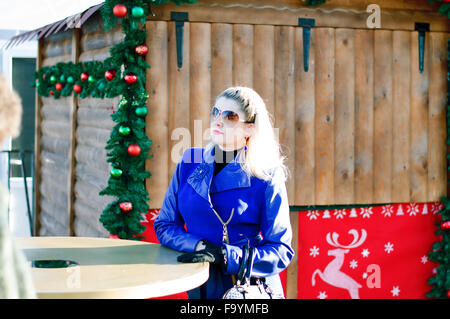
x,y
229,135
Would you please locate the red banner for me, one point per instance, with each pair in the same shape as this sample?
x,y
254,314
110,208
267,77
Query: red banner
x,y
367,253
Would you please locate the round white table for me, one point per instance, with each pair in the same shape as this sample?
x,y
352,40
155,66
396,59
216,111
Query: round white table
x,y
109,268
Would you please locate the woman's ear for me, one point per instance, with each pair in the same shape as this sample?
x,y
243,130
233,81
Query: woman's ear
x,y
250,128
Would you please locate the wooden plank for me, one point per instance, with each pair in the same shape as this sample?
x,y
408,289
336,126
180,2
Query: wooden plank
x,y
285,98
401,115
344,105
200,77
73,128
222,58
263,64
437,130
37,147
382,150
179,86
364,116
342,14
157,128
419,123
324,117
304,123
292,270
242,55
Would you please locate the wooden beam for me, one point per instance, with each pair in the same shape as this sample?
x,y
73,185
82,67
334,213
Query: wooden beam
x,y
73,126
37,146
394,15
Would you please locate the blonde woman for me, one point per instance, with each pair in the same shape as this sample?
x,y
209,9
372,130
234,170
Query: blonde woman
x,y
15,277
231,193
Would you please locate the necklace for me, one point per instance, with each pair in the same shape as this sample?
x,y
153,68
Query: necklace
x,y
225,237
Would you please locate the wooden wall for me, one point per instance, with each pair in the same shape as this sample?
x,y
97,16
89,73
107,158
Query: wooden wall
x,y
363,126
72,134
53,139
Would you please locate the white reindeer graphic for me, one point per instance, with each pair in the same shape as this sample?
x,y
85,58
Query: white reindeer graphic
x,y
332,274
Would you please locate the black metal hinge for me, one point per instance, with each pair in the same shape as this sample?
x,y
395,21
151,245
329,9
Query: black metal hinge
x,y
179,18
421,28
306,24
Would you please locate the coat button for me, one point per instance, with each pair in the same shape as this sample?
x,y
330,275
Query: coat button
x,y
200,171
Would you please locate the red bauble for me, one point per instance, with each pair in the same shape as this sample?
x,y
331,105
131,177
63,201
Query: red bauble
x,y
110,75
445,225
141,49
84,76
52,93
448,293
126,206
134,150
59,86
114,236
130,78
120,10
77,88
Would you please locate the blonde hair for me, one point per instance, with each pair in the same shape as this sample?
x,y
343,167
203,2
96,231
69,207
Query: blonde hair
x,y
10,110
263,153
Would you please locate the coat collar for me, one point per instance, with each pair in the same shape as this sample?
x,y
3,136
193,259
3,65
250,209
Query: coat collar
x,y
230,177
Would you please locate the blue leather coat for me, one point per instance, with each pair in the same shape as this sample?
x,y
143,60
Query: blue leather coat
x,y
261,215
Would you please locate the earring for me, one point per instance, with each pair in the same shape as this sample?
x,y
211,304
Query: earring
x,y
245,146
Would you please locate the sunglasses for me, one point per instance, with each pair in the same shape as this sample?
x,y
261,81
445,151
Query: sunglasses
x,y
227,115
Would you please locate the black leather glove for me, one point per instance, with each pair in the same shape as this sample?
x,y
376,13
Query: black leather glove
x,y
211,253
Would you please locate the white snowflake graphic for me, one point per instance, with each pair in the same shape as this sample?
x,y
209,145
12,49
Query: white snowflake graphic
x,y
395,291
312,215
353,264
412,209
366,212
424,259
154,215
387,210
365,253
388,247
314,251
339,213
322,295
436,207
364,275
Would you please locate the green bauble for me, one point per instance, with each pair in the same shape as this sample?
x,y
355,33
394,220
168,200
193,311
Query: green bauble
x,y
52,79
38,84
137,12
101,86
141,111
91,79
70,79
62,79
124,130
116,172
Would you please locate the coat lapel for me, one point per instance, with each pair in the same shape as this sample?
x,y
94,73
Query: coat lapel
x,y
230,177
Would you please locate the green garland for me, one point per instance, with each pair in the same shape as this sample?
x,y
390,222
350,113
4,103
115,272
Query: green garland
x,y
128,144
444,8
314,2
68,75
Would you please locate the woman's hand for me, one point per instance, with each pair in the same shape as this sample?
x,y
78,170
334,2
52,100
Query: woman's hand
x,y
210,253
